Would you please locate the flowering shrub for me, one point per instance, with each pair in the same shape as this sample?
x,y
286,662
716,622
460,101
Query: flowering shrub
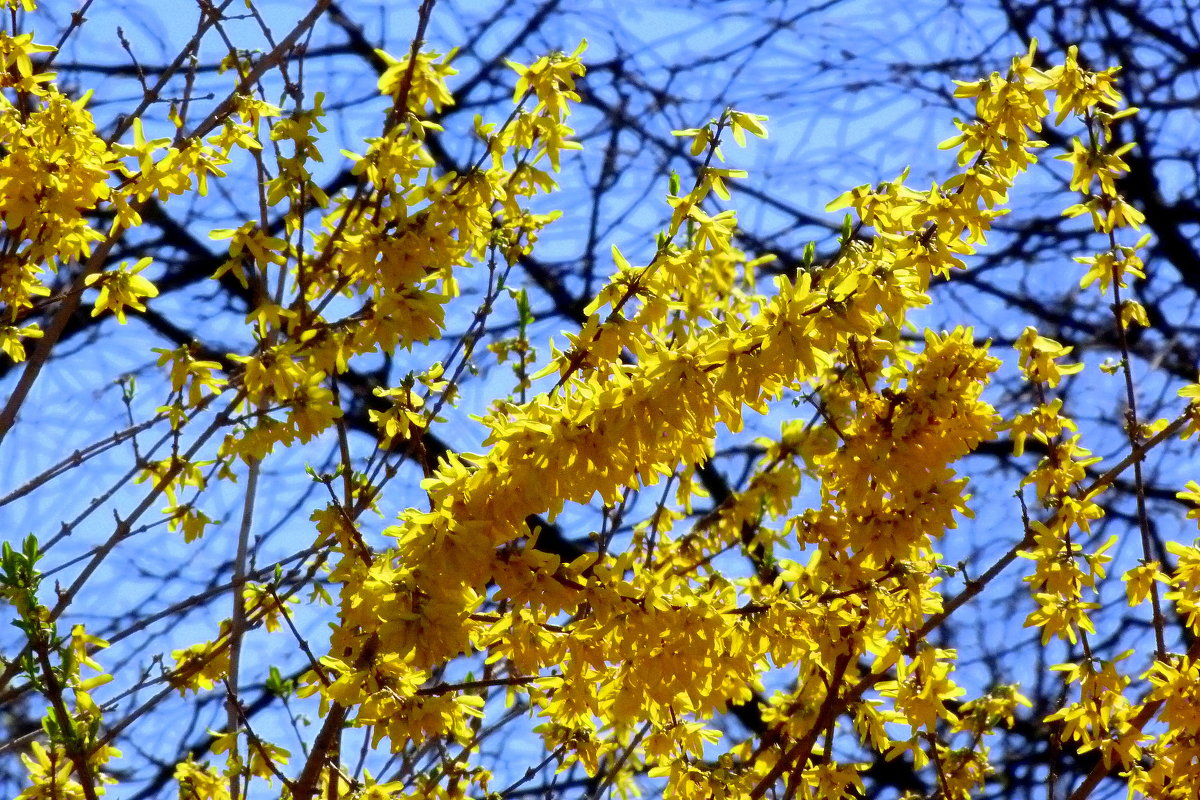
x,y
622,656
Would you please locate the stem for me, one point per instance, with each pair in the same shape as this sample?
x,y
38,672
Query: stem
x,y
237,622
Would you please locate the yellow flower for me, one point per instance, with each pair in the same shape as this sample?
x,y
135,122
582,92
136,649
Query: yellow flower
x,y
1037,358
122,288
427,84
1140,579
1093,164
1061,616
10,339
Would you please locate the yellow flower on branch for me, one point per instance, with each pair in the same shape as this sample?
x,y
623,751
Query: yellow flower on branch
x,y
1038,356
122,288
1090,164
11,336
